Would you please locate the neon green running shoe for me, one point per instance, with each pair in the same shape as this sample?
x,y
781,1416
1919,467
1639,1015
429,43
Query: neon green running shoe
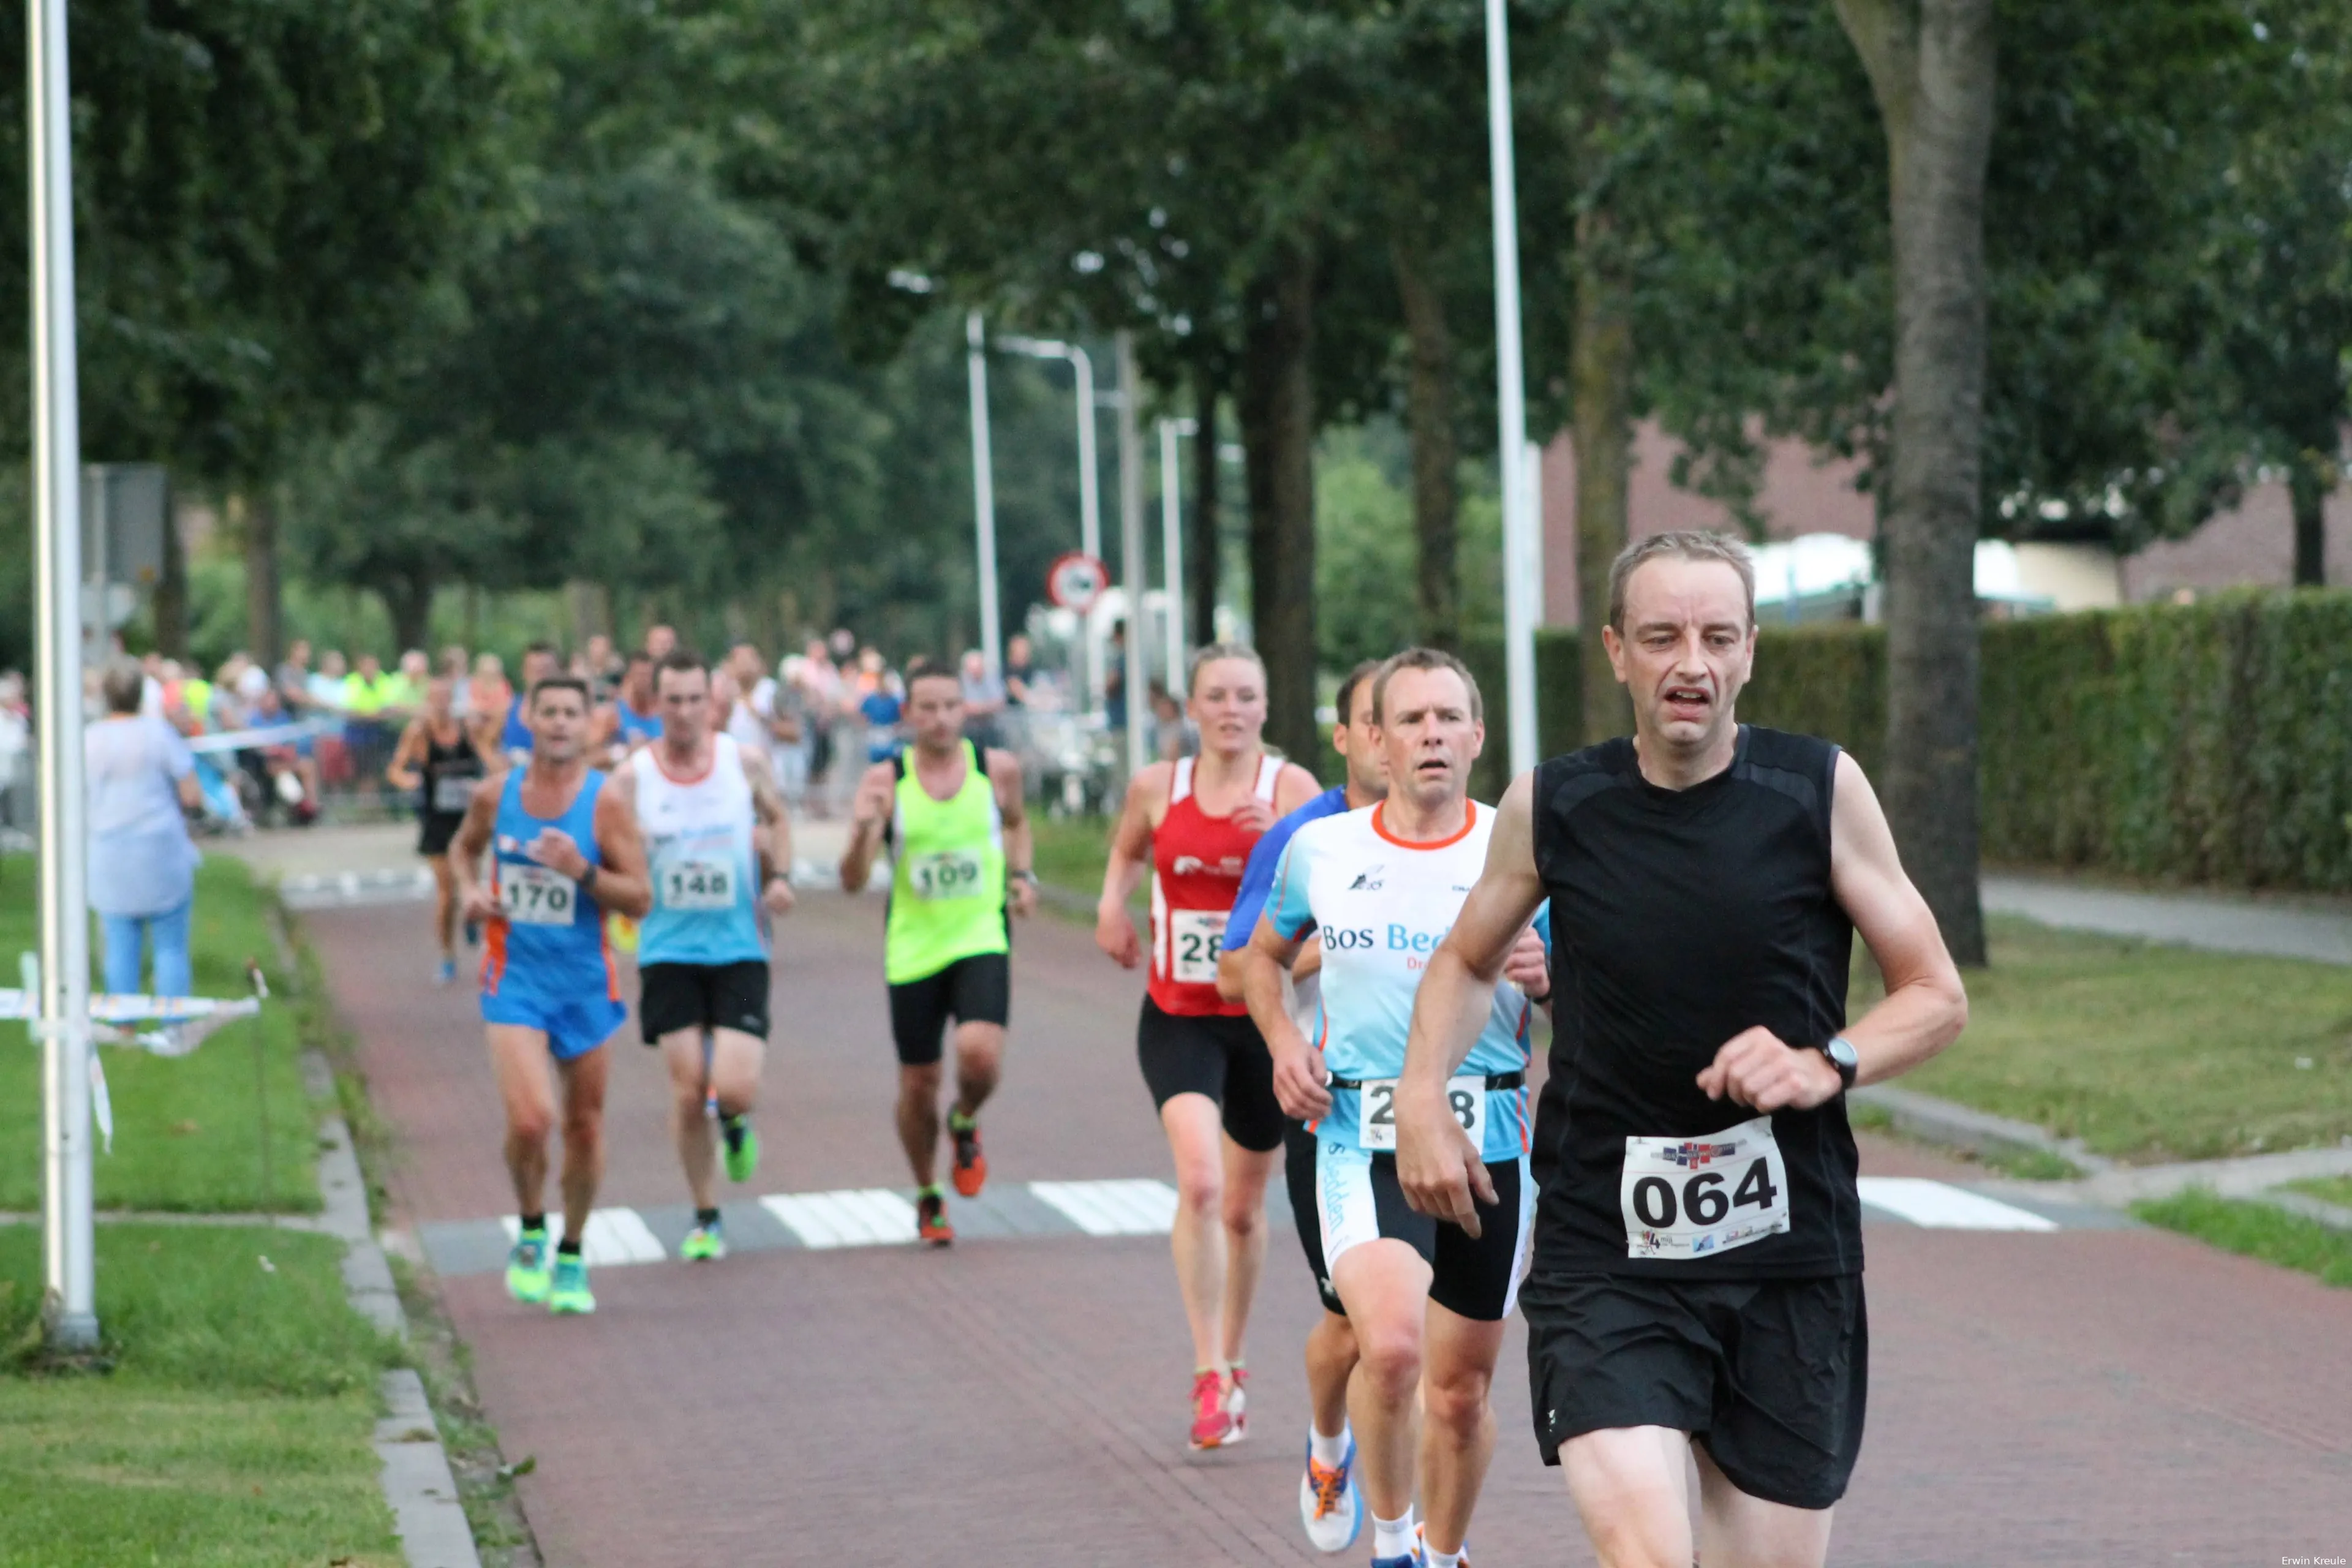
x,y
528,1273
742,1152
570,1292
703,1243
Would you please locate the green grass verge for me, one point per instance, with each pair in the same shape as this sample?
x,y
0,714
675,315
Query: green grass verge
x,y
2150,1053
2256,1230
1072,852
2326,1189
233,1428
188,1133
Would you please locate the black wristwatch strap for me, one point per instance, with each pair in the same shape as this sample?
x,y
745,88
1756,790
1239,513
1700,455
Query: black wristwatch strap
x,y
588,879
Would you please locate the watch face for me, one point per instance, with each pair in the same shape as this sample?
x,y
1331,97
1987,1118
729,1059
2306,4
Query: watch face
x,y
1842,1053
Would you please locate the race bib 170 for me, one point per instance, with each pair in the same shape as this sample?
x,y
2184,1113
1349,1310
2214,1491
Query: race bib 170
x,y
1694,1197
536,895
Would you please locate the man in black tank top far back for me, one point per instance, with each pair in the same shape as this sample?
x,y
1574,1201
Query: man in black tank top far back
x,y
1697,1272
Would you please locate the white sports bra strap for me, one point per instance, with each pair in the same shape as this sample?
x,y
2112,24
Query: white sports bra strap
x,y
1184,786
1269,773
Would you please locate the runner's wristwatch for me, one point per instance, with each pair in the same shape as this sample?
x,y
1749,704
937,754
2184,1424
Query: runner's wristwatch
x,y
1842,1056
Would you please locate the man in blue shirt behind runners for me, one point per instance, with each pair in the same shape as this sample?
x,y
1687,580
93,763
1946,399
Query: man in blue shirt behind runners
x,y
566,849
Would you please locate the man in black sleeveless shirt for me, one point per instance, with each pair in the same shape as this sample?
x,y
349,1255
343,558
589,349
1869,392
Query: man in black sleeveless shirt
x,y
1697,1270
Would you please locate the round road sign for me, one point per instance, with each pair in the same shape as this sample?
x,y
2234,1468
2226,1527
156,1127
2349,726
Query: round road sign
x,y
1073,582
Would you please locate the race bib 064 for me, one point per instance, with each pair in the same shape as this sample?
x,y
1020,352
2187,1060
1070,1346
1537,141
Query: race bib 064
x,y
1694,1197
1376,1111
698,885
1194,939
536,895
949,874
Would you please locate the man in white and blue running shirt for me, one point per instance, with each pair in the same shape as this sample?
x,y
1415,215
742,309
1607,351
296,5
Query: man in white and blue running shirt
x,y
718,843
1380,886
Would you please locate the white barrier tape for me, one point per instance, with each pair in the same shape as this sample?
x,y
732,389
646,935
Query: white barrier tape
x,y
268,736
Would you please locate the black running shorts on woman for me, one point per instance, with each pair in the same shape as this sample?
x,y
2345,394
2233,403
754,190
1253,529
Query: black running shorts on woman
x,y
1221,1055
1681,919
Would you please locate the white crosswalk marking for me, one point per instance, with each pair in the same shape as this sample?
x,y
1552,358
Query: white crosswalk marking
x,y
1943,1206
870,1216
1112,1209
614,1235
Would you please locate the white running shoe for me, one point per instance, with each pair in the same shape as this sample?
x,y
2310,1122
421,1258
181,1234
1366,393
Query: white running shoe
x,y
1329,1505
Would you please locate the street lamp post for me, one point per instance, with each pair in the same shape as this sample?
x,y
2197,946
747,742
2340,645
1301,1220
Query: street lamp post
x,y
983,495
1172,545
69,1303
1090,494
1522,550
1131,552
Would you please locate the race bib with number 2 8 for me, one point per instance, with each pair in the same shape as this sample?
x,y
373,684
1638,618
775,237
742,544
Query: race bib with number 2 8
x,y
1694,1197
1376,1111
1195,939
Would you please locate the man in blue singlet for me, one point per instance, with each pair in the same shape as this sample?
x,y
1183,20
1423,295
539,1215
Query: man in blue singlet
x,y
633,718
565,850
538,663
719,843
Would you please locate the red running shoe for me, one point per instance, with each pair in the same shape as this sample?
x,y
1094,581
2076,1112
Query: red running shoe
x,y
1212,1420
931,1226
970,1164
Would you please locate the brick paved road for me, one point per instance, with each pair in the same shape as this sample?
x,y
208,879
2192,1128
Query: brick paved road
x,y
2105,1396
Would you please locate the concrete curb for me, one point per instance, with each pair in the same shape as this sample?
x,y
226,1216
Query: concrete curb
x,y
418,1482
2336,1216
2251,1177
1933,1121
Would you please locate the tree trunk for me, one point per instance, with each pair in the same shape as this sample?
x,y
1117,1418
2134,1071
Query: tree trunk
x,y
1204,551
1931,66
1277,417
1429,410
172,588
2307,486
1600,384
263,621
408,601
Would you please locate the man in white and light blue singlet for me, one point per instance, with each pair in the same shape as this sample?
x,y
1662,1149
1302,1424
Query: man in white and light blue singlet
x,y
564,849
718,842
1380,886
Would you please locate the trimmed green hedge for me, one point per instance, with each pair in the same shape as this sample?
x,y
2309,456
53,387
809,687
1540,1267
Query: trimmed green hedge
x,y
2207,742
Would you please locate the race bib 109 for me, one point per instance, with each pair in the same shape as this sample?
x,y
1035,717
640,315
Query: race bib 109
x,y
1195,937
949,874
536,895
698,885
1376,1111
1694,1197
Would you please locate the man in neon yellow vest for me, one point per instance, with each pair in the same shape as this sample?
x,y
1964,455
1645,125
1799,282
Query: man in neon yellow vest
x,y
952,816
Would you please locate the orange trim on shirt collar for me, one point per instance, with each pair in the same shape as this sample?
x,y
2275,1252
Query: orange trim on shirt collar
x,y
1469,821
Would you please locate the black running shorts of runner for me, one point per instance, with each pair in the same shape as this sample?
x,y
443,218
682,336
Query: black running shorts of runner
x,y
703,996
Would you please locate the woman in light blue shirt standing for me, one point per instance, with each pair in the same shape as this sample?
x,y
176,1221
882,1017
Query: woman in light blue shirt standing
x,y
140,775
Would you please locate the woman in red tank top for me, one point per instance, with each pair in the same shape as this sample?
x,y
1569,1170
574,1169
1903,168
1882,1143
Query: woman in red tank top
x,y
1192,823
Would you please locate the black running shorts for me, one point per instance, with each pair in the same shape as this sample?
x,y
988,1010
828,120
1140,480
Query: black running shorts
x,y
1220,1056
1298,1176
974,990
703,996
437,830
1769,1376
